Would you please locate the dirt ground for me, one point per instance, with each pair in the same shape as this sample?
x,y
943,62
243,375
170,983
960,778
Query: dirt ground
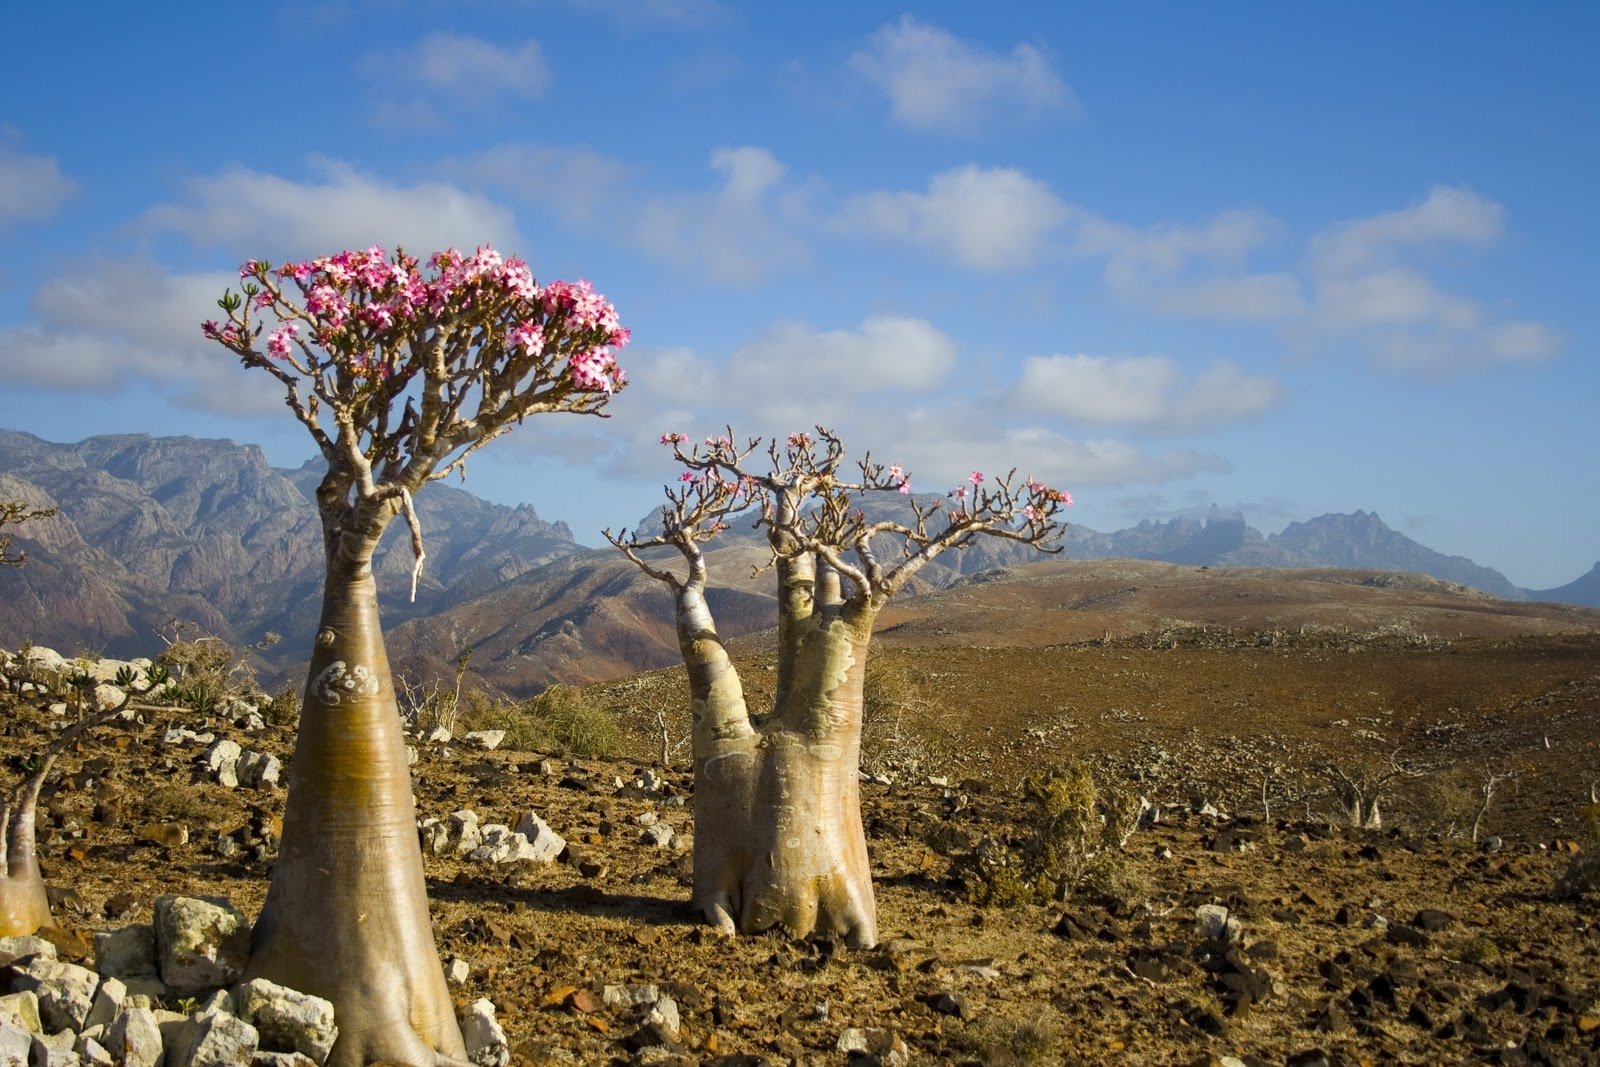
x,y
1406,944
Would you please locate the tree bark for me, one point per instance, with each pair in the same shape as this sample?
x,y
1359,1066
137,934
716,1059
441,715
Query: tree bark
x,y
346,916
24,903
779,840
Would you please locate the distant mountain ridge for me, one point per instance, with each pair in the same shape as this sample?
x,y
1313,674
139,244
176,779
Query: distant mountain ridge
x,y
157,528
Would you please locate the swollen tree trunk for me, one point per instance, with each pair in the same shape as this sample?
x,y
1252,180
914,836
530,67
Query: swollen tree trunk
x,y
346,916
778,835
24,904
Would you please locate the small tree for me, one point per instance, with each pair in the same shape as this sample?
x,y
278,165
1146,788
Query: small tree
x,y
778,834
24,901
15,513
399,374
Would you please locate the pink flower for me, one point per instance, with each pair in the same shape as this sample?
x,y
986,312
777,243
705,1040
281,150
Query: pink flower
x,y
905,487
527,336
279,340
672,438
249,267
1030,513
958,493
976,477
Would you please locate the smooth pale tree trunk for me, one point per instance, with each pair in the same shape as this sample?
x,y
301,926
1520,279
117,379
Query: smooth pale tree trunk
x,y
778,835
24,904
346,916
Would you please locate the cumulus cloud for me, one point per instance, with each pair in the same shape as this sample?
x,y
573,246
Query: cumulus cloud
x,y
110,324
1145,391
987,219
453,71
1139,260
1368,292
1446,216
937,82
31,187
580,184
269,216
739,233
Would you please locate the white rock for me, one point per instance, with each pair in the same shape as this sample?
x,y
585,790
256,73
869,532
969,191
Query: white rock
x,y
65,991
287,1020
439,735
92,1053
134,1038
660,835
545,842
54,1050
22,1009
464,831
201,942
486,1040
485,739
217,1040
630,996
19,947
259,770
457,971
222,760
15,1043
281,1059
1213,921
108,1002
664,1013
886,1045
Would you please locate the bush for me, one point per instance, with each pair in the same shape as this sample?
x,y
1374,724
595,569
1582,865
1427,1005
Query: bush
x,y
900,724
1582,878
1073,836
562,719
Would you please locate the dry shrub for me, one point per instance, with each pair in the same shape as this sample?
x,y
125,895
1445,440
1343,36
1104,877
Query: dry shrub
x,y
1581,881
901,724
563,719
1071,845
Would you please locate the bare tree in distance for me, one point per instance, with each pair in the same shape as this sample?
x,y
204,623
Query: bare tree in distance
x,y
15,513
778,834
399,373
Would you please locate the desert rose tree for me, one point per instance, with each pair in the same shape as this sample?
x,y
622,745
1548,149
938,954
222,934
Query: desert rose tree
x,y
399,372
778,834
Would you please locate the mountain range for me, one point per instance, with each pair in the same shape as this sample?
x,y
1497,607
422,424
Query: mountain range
x,y
156,529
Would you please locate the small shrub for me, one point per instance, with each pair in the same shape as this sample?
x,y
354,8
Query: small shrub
x,y
1581,881
900,724
561,719
182,803
1073,834
999,1042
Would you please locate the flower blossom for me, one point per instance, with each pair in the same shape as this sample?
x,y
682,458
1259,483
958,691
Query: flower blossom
x,y
279,340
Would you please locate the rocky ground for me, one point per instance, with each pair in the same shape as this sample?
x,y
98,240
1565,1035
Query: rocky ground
x,y
1407,944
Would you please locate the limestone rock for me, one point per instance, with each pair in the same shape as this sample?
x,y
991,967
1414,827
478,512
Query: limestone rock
x,y
22,1009
202,943
885,1045
215,1040
545,842
127,953
259,770
17,948
486,1040
485,739
16,1044
288,1020
65,990
221,760
134,1038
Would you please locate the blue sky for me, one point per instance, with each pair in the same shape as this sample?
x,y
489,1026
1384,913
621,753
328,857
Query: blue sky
x,y
1288,259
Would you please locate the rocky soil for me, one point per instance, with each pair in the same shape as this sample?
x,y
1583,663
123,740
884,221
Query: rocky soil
x,y
1263,931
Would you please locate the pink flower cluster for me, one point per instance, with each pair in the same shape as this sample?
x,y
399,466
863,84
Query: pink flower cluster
x,y
901,480
356,300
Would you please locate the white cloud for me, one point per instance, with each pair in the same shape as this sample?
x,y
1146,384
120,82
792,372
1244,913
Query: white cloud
x,y
1144,391
986,219
1253,296
577,184
1369,294
739,233
31,187
110,324
452,71
1141,260
267,216
936,81
1447,216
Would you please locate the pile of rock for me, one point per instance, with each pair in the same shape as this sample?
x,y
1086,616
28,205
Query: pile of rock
x,y
59,1014
461,834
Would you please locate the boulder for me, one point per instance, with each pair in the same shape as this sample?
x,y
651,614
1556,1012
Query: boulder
x,y
287,1020
545,842
214,1040
129,952
134,1038
202,943
65,991
486,1040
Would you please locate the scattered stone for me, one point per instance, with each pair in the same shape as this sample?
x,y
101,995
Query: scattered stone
x,y
221,760
65,991
486,1040
1432,920
464,833
885,1045
457,971
217,1039
661,835
165,834
287,1020
489,740
439,735
134,1038
1214,923
259,770
202,943
20,948
545,842
108,1003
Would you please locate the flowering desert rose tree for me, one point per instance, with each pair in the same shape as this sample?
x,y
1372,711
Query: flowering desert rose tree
x,y
778,834
399,372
